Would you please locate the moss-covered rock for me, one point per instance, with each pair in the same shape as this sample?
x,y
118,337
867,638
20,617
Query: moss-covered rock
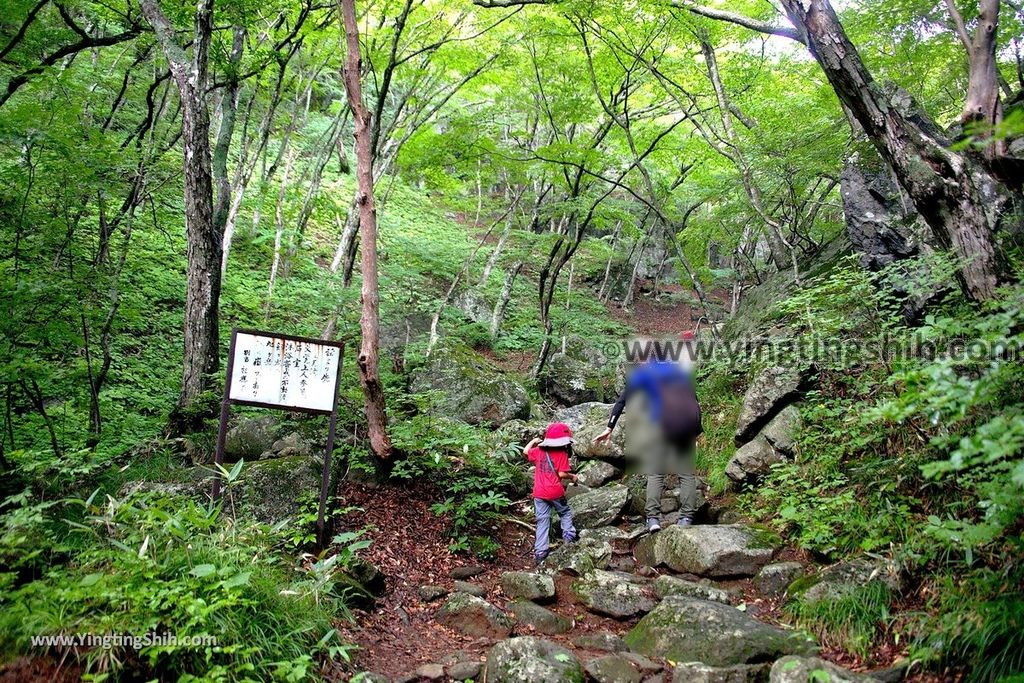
x,y
666,586
715,550
613,669
698,672
614,594
772,389
531,660
540,619
469,388
599,507
689,629
580,557
475,617
793,669
587,420
528,585
271,490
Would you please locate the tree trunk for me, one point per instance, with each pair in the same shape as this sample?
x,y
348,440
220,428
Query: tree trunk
x,y
958,198
369,320
203,251
498,316
608,265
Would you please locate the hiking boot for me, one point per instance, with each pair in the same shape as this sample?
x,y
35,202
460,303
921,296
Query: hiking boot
x,y
538,560
653,524
685,521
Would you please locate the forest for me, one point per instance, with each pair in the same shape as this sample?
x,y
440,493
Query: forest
x,y
491,216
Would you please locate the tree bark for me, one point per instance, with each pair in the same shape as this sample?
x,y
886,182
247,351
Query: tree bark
x,y
369,320
498,316
957,196
203,251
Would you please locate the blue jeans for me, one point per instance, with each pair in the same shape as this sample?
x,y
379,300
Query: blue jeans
x,y
543,509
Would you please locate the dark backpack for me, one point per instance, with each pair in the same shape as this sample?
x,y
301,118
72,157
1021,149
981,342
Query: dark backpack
x,y
680,411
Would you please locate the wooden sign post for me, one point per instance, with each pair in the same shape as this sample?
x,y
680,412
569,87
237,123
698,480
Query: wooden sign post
x,y
284,372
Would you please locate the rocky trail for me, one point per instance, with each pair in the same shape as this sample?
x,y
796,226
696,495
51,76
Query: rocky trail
x,y
621,605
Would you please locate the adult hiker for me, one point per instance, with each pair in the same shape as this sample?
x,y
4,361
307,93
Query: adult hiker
x,y
667,424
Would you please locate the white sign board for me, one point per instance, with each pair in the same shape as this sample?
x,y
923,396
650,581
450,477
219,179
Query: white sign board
x,y
286,373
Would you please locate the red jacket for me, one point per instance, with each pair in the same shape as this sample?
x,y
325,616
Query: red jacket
x,y
546,483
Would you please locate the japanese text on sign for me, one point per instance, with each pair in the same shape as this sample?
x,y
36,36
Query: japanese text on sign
x,y
284,372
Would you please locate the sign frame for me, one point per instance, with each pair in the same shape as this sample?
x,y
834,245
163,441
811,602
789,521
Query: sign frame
x,y
225,410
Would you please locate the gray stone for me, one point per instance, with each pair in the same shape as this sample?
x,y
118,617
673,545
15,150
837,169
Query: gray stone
x,y
470,588
771,389
369,677
528,585
698,672
612,669
665,585
467,572
752,461
773,579
689,629
597,473
621,540
793,669
614,594
645,665
470,388
270,490
713,550
587,420
541,619
599,507
475,617
290,444
250,438
843,578
570,379
430,672
430,593
604,641
580,557
528,659
465,671
781,432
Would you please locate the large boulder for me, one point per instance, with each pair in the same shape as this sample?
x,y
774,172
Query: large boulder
x,y
469,388
599,507
475,617
689,629
714,550
587,420
528,659
527,585
771,390
752,461
614,594
581,557
794,669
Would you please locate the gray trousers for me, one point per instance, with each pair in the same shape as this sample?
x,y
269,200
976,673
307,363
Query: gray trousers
x,y
672,460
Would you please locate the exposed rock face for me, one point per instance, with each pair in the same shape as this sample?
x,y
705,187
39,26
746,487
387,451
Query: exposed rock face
x,y
774,579
770,391
531,660
540,619
614,594
475,617
613,669
666,585
470,389
713,550
581,557
688,629
752,461
572,378
793,669
527,585
605,642
587,420
270,490
698,672
881,228
250,438
597,473
599,507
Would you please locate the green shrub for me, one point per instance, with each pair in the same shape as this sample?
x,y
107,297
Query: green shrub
x,y
854,620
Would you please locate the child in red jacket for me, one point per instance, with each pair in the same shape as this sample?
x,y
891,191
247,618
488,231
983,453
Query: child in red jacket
x,y
550,457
